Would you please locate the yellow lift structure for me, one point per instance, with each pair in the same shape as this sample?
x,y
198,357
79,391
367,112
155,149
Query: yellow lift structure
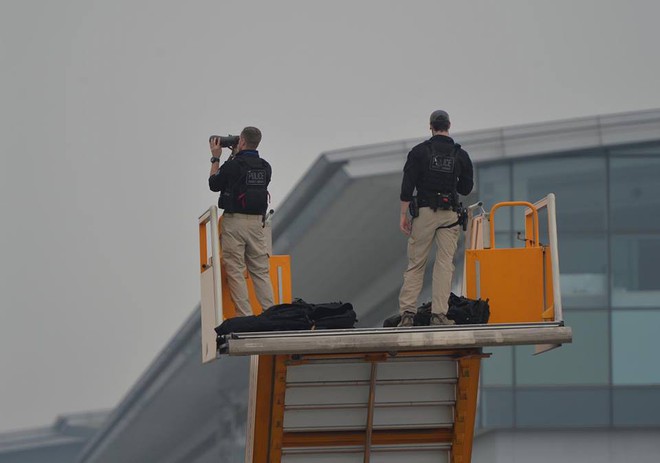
x,y
385,395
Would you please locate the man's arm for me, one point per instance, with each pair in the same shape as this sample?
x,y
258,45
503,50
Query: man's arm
x,y
269,172
215,182
466,179
410,174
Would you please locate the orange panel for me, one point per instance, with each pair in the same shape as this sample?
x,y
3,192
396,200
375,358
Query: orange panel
x,y
263,408
203,252
466,409
277,410
549,312
283,262
511,279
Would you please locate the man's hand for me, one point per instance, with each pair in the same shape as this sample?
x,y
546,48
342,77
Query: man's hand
x,y
216,149
405,224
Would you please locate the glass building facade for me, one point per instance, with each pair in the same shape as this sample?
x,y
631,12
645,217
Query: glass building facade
x,y
608,221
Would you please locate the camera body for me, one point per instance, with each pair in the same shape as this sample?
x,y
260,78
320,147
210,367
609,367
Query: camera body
x,y
228,141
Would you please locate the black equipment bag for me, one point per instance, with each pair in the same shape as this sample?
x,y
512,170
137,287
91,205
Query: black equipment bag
x,y
462,310
466,311
343,320
328,309
391,322
281,317
333,315
242,325
422,317
296,310
298,315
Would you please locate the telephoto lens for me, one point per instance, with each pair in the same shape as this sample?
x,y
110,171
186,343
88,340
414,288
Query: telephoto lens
x,y
226,142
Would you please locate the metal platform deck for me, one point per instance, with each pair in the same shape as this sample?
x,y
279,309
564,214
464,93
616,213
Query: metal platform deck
x,y
544,335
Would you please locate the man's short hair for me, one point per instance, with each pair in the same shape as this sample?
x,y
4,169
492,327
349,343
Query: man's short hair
x,y
252,137
440,121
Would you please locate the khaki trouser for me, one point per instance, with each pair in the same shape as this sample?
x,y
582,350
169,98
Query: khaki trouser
x,y
246,241
421,239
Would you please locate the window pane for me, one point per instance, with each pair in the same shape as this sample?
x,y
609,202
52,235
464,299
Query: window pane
x,y
496,407
577,182
634,347
636,406
504,239
583,270
634,271
635,192
584,361
565,407
498,369
494,187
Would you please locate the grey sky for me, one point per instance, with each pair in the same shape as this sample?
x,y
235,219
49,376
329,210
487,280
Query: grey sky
x,y
106,107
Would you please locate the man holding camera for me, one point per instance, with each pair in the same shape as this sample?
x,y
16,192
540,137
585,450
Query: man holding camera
x,y
243,181
439,170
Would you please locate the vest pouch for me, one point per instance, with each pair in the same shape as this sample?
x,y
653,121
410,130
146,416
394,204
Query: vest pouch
x,y
224,201
253,201
251,193
442,201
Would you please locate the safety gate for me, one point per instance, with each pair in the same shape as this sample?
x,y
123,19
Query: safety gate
x,y
216,303
350,408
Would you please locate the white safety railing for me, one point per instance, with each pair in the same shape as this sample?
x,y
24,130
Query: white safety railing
x,y
211,281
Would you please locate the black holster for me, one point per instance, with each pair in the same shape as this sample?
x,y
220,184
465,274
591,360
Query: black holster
x,y
413,207
462,217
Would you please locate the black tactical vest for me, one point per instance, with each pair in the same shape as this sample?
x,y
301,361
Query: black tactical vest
x,y
249,193
440,174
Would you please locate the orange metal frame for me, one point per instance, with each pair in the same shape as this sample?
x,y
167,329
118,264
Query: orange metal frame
x,y
466,408
203,252
280,276
516,281
270,437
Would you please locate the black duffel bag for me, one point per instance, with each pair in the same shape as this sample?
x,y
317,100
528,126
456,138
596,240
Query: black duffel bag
x,y
466,311
391,322
280,317
462,310
333,315
422,317
296,310
242,325
298,315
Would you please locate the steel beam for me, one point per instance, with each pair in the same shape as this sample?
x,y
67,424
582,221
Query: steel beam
x,y
396,339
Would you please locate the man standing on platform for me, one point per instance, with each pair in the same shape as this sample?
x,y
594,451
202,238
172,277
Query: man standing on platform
x,y
439,170
243,181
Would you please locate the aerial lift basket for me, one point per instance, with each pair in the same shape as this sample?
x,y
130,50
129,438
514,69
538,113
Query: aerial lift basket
x,y
385,395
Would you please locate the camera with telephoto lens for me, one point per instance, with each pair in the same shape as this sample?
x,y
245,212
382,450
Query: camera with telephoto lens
x,y
229,141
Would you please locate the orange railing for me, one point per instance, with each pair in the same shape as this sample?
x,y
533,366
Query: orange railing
x,y
521,284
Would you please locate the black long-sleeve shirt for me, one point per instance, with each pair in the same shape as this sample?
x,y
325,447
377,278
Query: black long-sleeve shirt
x,y
415,167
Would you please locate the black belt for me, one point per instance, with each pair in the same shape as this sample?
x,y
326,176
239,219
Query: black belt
x,y
453,205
